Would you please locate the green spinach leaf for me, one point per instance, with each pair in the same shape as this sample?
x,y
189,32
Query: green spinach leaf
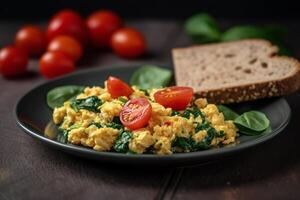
x,y
91,103
122,142
252,122
202,28
227,112
150,76
57,96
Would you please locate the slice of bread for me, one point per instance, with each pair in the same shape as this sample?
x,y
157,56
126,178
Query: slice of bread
x,y
236,71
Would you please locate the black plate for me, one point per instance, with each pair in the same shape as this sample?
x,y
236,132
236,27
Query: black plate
x,y
33,115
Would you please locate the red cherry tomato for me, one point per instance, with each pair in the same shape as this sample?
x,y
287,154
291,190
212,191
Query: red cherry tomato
x,y
117,87
53,64
67,22
32,39
136,113
67,45
128,43
13,61
175,97
101,25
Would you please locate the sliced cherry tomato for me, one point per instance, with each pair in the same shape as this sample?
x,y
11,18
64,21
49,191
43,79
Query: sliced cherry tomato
x,y
53,64
117,87
128,43
13,61
67,45
101,25
32,39
67,22
175,97
136,113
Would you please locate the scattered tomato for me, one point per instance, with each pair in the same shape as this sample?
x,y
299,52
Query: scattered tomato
x,y
67,22
67,45
175,97
32,39
101,25
136,113
53,64
117,87
13,61
128,43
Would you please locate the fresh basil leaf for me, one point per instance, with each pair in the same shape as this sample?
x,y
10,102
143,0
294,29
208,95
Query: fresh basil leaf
x,y
150,76
252,122
122,142
274,34
202,28
57,96
91,103
227,112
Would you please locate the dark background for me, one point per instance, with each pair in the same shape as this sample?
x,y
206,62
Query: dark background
x,y
176,9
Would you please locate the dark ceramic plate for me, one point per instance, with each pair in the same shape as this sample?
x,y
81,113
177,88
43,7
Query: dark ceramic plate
x,y
33,116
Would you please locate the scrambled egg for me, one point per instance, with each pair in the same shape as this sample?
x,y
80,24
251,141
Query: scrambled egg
x,y
165,133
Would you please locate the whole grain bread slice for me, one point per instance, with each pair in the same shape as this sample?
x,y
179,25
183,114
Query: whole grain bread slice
x,y
236,71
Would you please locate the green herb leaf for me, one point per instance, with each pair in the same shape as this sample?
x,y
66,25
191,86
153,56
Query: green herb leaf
x,y
252,122
202,28
150,76
122,142
122,99
227,112
57,96
91,103
274,34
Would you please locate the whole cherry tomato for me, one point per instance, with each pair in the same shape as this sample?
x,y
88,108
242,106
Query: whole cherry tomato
x,y
67,22
175,97
67,45
117,87
32,39
53,64
13,61
128,43
136,113
101,25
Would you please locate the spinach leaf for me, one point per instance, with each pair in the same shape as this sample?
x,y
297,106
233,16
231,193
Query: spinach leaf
x,y
202,28
186,144
122,99
57,96
205,143
252,122
174,113
91,103
122,142
116,124
150,76
97,124
227,112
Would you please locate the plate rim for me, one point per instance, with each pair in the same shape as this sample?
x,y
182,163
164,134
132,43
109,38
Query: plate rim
x,y
113,155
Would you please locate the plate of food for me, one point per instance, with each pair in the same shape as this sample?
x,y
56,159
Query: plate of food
x,y
135,115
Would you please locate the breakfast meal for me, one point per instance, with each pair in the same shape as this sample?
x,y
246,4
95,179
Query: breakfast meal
x,y
126,119
233,72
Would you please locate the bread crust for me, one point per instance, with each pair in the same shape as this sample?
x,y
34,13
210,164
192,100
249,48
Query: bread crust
x,y
258,90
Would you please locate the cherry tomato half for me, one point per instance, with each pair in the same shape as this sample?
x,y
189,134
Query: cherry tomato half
x,y
67,45
13,61
67,22
117,87
32,39
101,25
136,113
175,97
128,43
53,64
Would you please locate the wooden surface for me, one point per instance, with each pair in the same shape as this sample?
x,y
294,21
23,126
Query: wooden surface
x,y
30,170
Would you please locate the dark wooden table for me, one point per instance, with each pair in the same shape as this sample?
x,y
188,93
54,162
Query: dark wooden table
x,y
31,170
